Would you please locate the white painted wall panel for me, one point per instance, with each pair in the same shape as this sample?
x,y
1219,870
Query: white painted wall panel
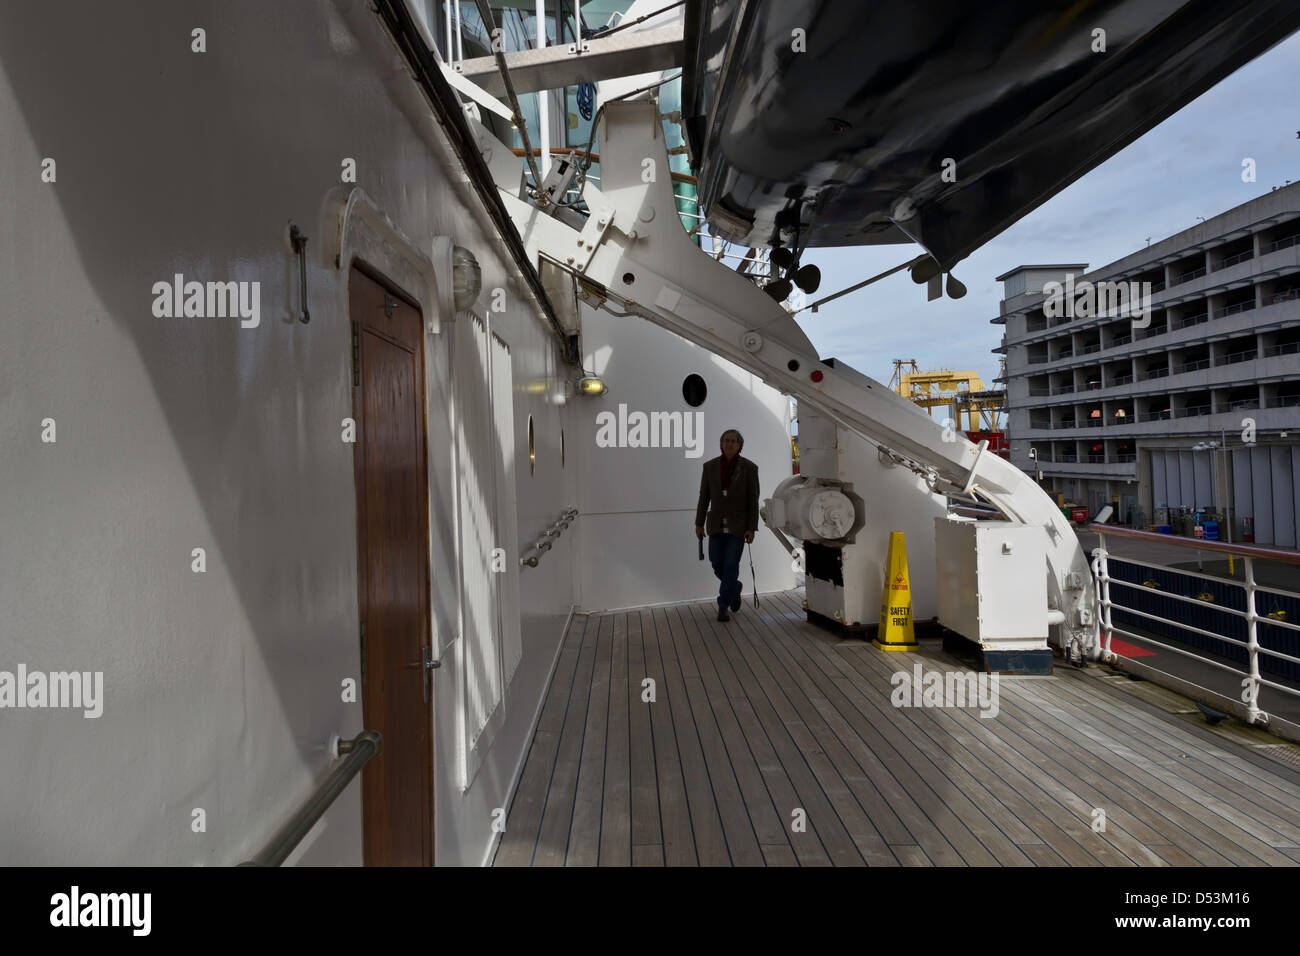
x,y
479,453
505,521
636,535
223,688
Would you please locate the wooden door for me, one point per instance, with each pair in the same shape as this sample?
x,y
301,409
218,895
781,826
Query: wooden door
x,y
393,571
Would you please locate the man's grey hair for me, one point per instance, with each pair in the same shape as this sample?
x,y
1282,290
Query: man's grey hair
x,y
732,431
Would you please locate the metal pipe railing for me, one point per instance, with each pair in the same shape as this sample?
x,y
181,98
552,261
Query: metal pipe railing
x,y
362,748
1252,681
547,538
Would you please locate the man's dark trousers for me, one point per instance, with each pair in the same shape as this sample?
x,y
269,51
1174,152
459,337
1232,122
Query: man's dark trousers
x,y
724,553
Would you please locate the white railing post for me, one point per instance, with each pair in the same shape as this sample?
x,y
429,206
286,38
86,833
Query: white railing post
x,y
1252,643
460,39
544,96
1102,571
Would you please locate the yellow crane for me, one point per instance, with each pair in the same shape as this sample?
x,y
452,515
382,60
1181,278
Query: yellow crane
x,y
942,388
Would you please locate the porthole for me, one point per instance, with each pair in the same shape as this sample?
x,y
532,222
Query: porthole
x,y
532,448
694,390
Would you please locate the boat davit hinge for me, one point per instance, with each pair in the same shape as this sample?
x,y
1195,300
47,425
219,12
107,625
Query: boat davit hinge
x,y
593,234
356,361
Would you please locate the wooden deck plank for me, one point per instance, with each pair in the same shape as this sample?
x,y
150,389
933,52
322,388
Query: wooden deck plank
x,y
525,815
1043,855
645,787
1195,801
1007,784
806,845
779,854
873,666
741,841
877,808
1012,789
1179,797
618,648
767,826
706,820
1261,779
818,816
765,714
616,806
1226,775
893,752
648,855
778,688
997,827
585,828
846,834
553,836
674,806
1040,755
910,854
741,837
524,818
1173,855
551,720
831,664
1126,803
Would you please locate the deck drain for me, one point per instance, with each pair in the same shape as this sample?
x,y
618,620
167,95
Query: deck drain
x,y
1282,753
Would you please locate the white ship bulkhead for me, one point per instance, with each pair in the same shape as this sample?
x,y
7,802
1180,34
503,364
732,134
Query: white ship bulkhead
x,y
222,689
637,540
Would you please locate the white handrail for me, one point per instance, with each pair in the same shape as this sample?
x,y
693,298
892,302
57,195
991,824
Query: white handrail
x,y
544,540
1252,681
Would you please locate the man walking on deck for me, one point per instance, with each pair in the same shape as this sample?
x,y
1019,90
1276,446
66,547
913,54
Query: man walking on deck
x,y
729,494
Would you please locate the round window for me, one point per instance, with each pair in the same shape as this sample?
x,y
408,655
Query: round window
x,y
694,390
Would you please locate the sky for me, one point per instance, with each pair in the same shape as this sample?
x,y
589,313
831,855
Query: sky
x,y
1188,166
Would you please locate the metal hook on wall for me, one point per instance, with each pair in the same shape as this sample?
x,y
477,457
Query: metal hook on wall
x,y
299,242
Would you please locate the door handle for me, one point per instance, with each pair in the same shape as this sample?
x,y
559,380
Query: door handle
x,y
427,664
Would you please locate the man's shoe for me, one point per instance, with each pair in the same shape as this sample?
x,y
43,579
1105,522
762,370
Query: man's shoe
x,y
735,604
723,615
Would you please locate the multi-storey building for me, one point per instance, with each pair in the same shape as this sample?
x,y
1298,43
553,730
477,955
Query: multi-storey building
x,y
1195,404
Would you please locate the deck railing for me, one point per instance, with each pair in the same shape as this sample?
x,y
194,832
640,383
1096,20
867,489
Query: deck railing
x,y
1252,682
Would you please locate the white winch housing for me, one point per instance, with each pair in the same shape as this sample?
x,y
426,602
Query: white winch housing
x,y
814,509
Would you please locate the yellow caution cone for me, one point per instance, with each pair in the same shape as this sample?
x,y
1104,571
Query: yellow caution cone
x,y
895,632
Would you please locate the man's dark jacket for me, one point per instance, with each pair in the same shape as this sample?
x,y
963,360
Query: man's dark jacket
x,y
740,504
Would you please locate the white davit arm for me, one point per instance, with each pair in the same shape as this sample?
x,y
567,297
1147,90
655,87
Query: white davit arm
x,y
634,247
